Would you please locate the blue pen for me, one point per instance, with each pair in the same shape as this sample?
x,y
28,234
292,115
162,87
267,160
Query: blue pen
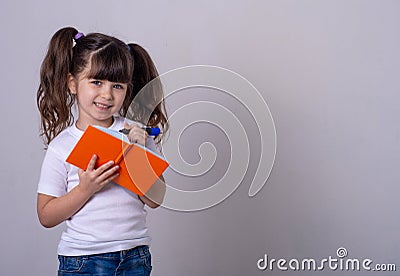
x,y
152,131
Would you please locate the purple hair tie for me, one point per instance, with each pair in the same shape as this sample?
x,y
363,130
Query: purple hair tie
x,y
78,36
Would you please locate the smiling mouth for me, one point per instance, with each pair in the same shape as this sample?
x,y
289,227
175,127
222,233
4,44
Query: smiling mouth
x,y
102,106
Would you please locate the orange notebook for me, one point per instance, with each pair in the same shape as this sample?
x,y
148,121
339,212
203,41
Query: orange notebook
x,y
139,166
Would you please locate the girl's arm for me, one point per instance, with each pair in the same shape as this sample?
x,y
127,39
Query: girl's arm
x,y
155,195
54,210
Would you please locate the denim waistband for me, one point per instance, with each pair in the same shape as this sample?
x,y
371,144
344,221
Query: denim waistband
x,y
141,251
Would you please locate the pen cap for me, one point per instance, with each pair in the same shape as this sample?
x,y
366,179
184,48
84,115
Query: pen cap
x,y
153,131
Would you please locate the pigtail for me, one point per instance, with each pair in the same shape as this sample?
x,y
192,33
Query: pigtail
x,y
148,107
53,98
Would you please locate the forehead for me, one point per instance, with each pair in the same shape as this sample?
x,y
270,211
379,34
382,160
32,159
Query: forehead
x,y
109,64
120,76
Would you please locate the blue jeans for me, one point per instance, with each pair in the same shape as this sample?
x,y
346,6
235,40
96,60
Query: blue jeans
x,y
135,262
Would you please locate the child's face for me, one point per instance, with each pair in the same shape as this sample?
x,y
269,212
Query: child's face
x,y
98,100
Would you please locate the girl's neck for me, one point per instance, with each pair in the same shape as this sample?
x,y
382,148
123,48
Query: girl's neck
x,y
83,125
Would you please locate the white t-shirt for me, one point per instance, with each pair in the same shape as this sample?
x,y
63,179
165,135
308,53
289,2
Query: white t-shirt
x,y
113,219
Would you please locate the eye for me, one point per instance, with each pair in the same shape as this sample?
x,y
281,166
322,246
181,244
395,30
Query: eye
x,y
96,82
118,86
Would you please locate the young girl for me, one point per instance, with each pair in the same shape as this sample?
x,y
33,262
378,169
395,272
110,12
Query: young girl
x,y
106,231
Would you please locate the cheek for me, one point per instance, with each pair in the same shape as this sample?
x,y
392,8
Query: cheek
x,y
84,99
120,98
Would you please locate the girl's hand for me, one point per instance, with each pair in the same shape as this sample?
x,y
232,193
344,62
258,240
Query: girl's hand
x,y
93,180
136,134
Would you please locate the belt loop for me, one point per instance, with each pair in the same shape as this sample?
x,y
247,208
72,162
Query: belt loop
x,y
141,251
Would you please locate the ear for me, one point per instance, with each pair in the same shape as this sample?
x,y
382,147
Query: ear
x,y
72,84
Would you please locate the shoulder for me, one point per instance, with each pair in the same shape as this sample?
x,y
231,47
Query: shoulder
x,y
119,122
63,143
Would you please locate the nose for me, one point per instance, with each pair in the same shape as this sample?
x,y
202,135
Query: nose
x,y
106,92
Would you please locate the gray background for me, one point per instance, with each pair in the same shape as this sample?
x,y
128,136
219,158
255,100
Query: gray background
x,y
329,73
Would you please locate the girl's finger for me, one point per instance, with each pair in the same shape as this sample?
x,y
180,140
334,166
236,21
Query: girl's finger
x,y
130,126
80,172
137,134
92,163
100,170
111,178
109,175
105,182
127,126
133,125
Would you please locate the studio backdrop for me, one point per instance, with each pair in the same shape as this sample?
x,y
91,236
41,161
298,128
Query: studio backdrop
x,y
284,140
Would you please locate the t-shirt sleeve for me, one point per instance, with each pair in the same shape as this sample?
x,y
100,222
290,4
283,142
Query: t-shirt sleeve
x,y
53,175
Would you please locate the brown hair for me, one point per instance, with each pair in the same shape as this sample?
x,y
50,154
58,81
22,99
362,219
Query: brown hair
x,y
109,59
